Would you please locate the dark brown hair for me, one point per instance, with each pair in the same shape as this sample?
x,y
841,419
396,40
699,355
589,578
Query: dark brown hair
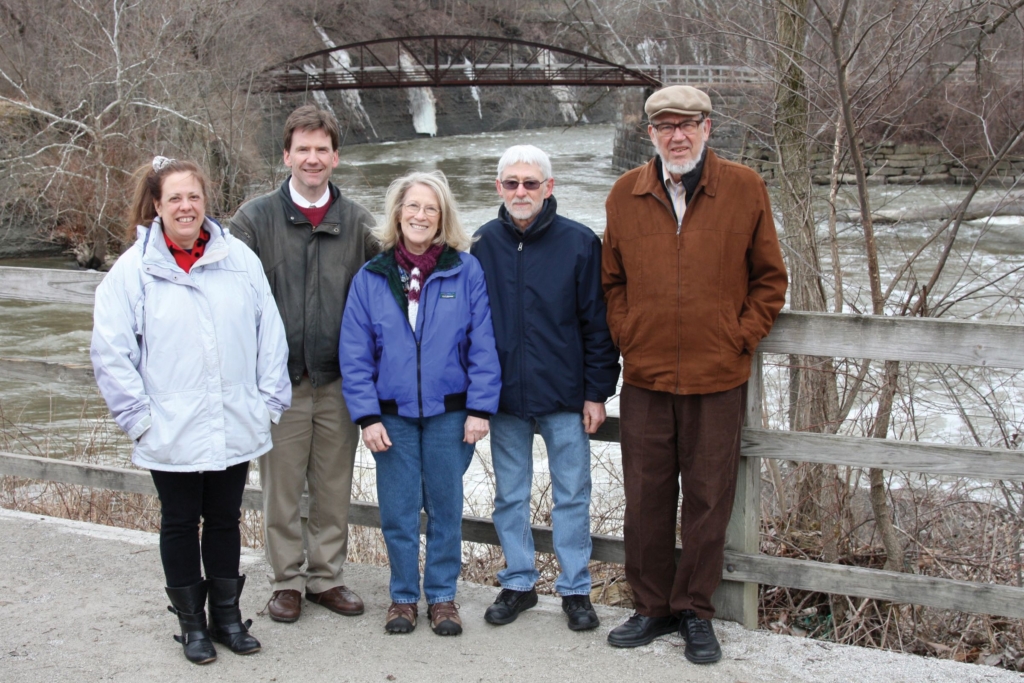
x,y
149,189
309,117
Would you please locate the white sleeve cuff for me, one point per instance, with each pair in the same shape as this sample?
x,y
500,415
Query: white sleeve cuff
x,y
140,428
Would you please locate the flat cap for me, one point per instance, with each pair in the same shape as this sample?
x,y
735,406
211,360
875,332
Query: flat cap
x,y
678,99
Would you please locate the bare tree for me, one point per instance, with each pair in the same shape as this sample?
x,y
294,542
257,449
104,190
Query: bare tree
x,y
102,86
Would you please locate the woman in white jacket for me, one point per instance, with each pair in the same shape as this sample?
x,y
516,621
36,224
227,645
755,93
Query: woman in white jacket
x,y
190,354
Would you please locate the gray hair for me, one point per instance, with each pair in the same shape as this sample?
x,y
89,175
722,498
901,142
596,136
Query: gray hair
x,y
451,231
525,154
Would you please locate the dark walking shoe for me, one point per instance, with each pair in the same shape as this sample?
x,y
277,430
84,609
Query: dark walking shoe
x,y
189,605
401,617
508,605
701,644
582,616
226,625
444,618
640,630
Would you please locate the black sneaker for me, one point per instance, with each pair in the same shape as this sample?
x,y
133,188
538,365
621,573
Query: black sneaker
x,y
701,644
508,605
640,630
582,616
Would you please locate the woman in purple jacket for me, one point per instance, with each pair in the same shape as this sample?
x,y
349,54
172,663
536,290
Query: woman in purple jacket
x,y
421,377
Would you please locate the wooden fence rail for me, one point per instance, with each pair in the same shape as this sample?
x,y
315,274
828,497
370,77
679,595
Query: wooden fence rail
x,y
905,339
745,567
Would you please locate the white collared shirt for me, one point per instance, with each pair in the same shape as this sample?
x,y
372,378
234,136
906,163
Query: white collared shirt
x,y
677,193
304,203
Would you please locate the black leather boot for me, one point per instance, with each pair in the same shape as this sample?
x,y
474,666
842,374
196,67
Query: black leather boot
x,y
226,625
189,604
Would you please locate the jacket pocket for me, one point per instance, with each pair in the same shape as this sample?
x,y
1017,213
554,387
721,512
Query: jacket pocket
x,y
246,420
175,436
732,333
628,335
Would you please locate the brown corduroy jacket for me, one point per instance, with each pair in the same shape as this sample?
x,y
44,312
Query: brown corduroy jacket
x,y
688,308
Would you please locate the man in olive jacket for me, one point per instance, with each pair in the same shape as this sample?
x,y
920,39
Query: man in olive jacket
x,y
312,241
694,279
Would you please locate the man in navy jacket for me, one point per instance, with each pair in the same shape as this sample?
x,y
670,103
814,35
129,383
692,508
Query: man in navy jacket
x,y
558,367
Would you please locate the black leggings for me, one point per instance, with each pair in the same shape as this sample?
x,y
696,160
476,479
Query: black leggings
x,y
185,497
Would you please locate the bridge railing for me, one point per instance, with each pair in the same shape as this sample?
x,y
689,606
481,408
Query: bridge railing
x,y
705,74
903,339
330,76
334,77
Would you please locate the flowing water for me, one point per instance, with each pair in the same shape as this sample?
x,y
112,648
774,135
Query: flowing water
x,y
994,250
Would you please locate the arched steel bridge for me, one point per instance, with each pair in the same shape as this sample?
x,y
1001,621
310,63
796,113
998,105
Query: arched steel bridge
x,y
450,61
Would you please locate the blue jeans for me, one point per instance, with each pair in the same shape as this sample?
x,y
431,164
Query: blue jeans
x,y
422,470
569,462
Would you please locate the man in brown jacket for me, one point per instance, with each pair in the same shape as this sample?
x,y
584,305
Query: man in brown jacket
x,y
694,279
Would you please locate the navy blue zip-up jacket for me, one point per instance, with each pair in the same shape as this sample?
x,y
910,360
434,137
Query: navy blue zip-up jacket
x,y
548,312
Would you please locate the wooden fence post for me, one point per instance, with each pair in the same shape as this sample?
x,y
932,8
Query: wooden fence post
x,y
736,601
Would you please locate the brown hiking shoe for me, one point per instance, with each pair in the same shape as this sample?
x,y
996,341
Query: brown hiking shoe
x,y
444,618
401,617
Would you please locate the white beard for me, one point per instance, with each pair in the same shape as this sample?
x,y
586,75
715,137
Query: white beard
x,y
524,213
682,169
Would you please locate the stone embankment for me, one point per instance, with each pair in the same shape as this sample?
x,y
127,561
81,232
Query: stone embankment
x,y
887,162
891,163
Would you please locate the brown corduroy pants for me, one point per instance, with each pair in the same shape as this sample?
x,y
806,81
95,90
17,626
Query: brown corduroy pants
x,y
667,438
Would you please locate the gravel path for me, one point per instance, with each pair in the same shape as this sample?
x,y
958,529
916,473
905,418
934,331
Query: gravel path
x,y
81,602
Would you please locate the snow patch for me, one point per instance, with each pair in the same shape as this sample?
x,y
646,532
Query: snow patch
x,y
473,90
564,94
421,100
341,64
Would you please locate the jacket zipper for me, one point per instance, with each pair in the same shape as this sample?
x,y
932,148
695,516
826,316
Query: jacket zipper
x,y
522,333
679,279
422,315
679,296
419,340
419,379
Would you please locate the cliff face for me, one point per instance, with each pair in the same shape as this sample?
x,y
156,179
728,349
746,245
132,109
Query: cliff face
x,y
388,114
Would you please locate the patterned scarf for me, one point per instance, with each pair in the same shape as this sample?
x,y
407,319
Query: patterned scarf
x,y
419,267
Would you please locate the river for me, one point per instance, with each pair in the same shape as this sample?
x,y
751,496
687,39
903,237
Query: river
x,y
583,174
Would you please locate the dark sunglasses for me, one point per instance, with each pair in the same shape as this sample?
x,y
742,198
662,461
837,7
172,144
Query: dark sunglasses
x,y
530,185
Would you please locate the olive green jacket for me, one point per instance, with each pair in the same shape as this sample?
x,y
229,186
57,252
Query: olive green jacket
x,y
309,269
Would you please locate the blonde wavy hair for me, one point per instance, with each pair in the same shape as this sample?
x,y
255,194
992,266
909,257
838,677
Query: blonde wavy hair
x,y
451,231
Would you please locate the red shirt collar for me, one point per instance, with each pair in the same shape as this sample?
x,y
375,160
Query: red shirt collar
x,y
186,258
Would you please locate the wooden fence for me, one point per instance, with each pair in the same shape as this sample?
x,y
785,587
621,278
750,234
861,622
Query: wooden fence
x,y
904,339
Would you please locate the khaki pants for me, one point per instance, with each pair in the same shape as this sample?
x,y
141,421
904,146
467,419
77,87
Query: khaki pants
x,y
314,444
668,439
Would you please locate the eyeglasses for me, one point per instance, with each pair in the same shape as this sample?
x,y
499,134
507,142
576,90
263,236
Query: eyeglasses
x,y
412,208
689,127
530,185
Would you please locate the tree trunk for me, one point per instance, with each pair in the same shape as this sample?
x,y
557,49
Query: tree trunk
x,y
879,504
879,495
812,394
93,252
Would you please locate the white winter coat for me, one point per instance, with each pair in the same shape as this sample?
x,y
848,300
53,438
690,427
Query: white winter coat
x,y
192,365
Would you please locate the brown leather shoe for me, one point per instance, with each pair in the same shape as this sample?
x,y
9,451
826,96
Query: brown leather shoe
x,y
285,605
338,599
